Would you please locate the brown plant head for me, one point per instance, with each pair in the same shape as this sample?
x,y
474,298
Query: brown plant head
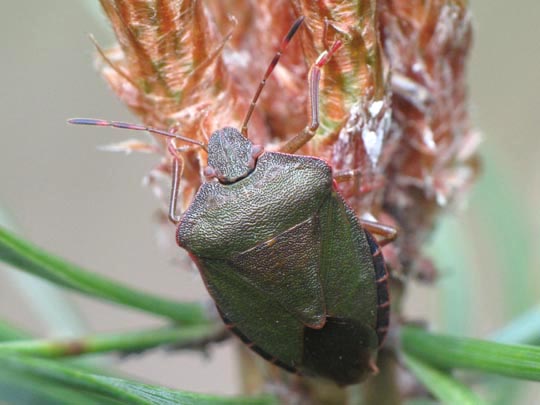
x,y
392,101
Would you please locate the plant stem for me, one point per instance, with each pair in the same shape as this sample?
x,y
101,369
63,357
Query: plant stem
x,y
382,388
185,337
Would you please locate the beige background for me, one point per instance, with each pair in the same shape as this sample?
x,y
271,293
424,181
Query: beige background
x,y
89,206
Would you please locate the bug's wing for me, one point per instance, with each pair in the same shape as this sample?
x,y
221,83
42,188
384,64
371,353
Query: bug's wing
x,y
287,269
258,316
347,269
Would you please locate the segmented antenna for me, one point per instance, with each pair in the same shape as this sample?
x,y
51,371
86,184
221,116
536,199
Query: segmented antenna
x,y
135,127
284,42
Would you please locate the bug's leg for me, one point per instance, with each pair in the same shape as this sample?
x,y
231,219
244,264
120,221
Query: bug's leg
x,y
314,77
387,233
343,176
177,169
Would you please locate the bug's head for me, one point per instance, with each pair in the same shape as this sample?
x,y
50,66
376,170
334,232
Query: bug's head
x,y
231,156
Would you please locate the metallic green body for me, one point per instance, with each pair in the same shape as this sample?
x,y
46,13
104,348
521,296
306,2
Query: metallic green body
x,y
288,264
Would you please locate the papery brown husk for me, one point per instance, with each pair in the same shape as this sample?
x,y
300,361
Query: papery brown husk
x,y
393,100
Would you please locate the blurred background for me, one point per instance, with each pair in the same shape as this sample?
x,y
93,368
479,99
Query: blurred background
x,y
89,206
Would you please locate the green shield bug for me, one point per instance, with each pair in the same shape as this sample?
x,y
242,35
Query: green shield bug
x,y
292,270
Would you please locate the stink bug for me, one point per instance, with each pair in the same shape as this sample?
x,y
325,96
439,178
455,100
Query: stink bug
x,y
292,270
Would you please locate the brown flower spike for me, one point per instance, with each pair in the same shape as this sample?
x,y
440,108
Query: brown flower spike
x,y
392,102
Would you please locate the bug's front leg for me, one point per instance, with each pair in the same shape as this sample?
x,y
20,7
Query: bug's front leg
x,y
177,170
314,78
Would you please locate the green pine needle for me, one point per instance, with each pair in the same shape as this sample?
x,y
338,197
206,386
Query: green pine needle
x,y
53,378
516,361
31,259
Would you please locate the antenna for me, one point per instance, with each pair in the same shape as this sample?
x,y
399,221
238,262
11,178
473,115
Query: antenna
x,y
135,127
284,42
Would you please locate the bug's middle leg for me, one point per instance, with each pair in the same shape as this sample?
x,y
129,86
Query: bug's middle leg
x,y
344,176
